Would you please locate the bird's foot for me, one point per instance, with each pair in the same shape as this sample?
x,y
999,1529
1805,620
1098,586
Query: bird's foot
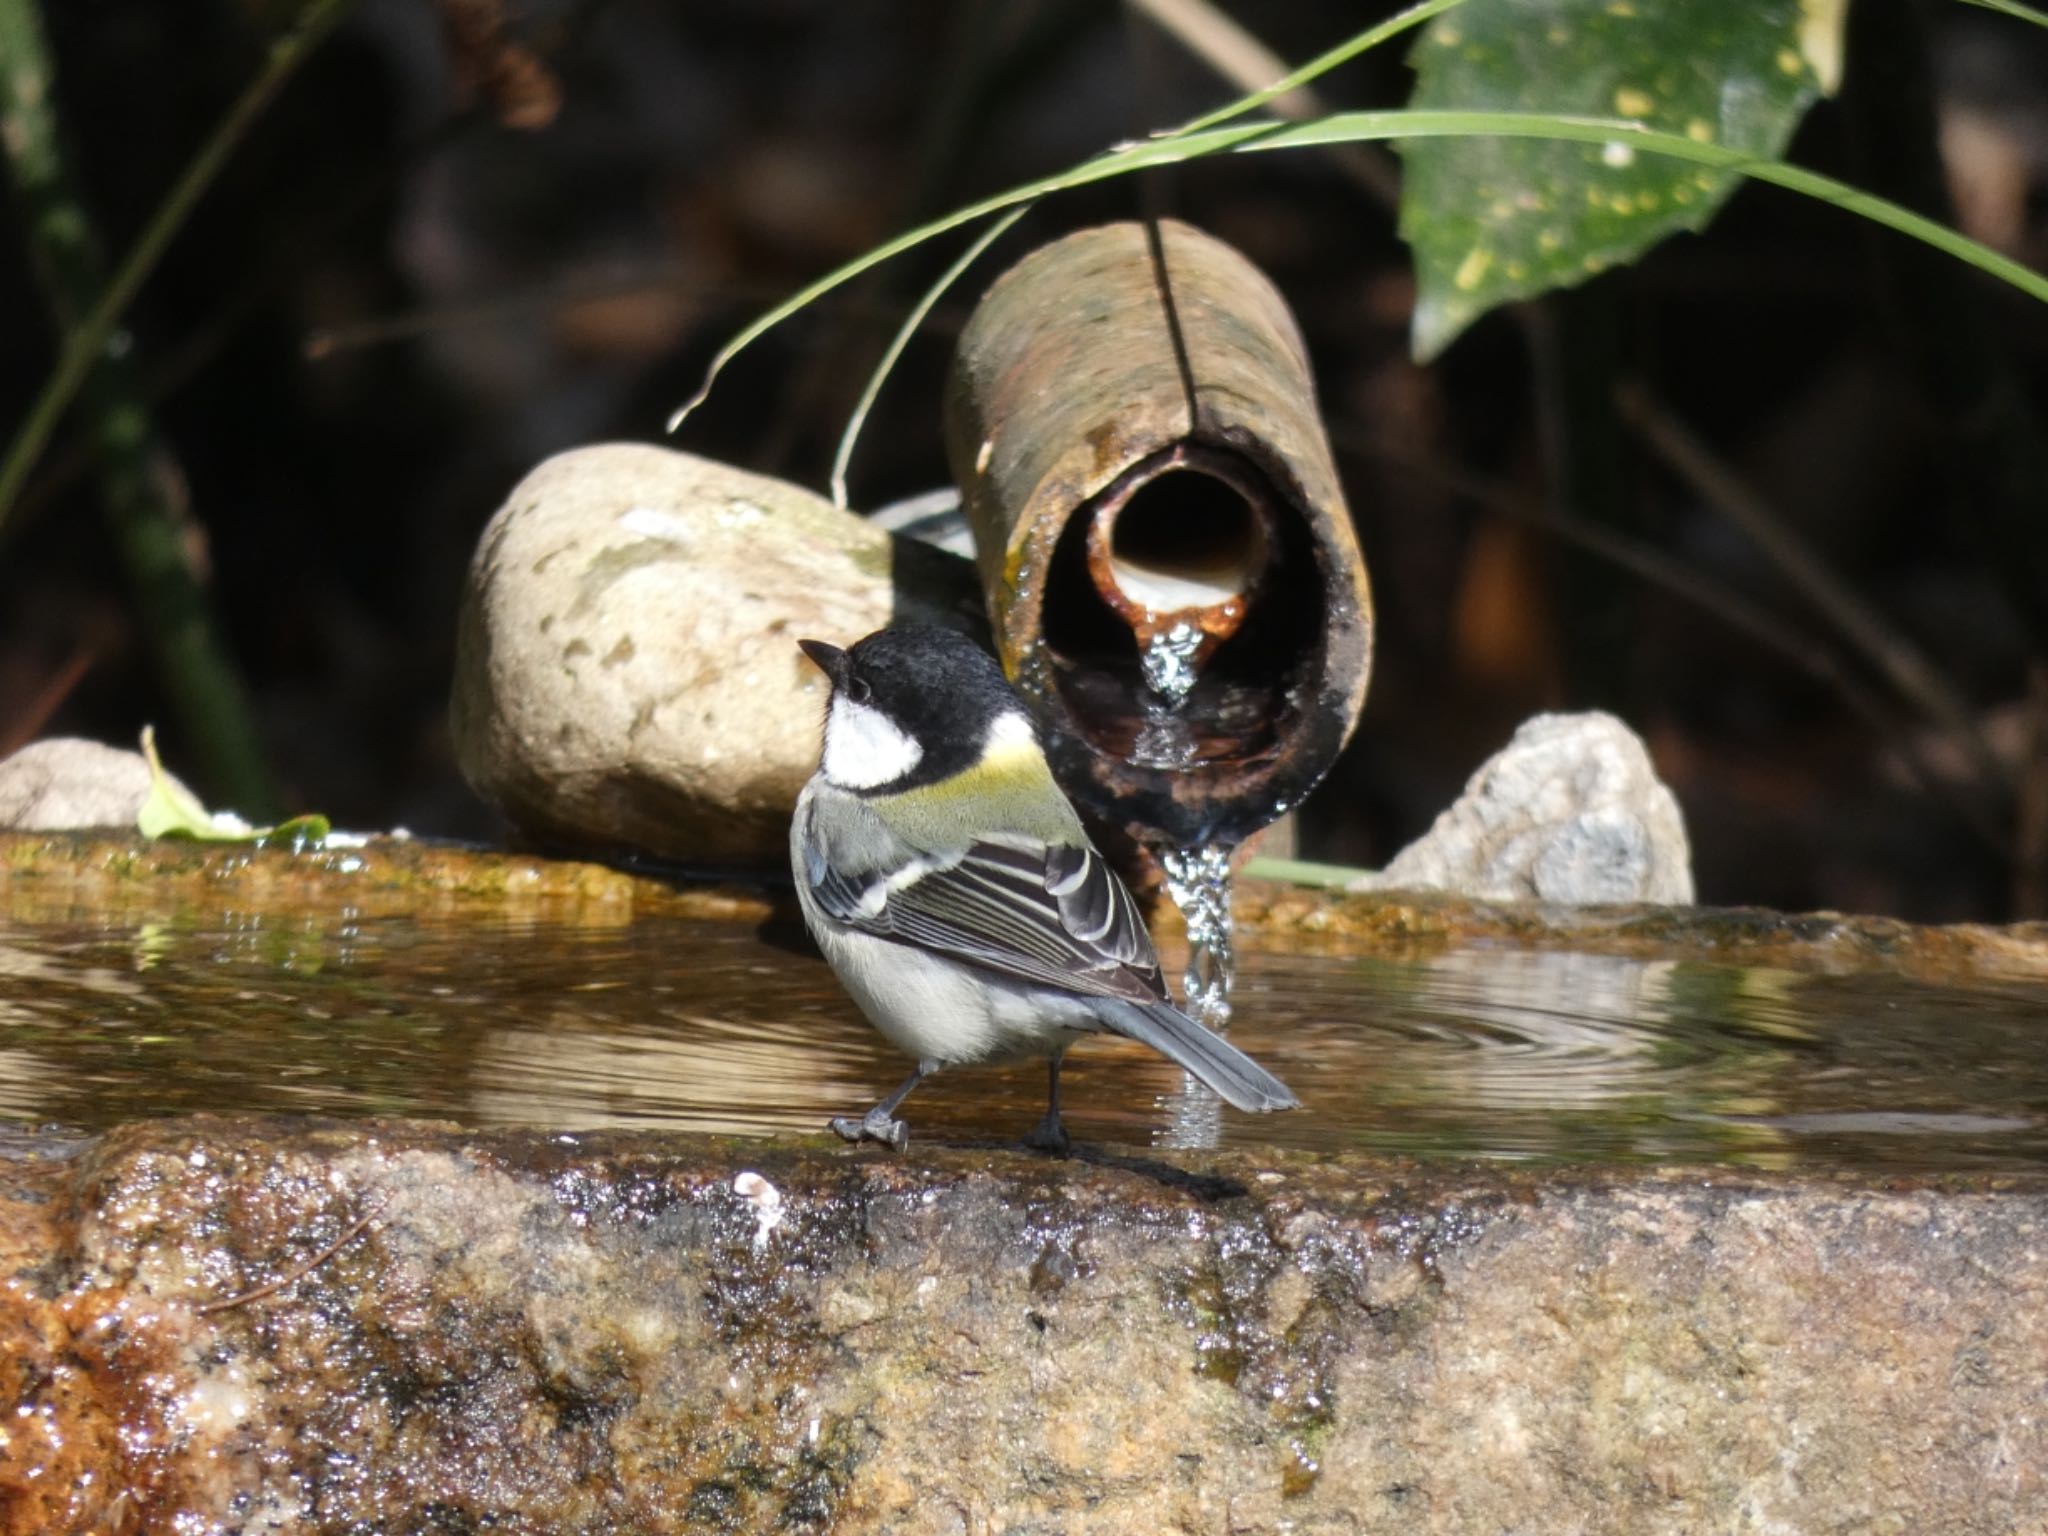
x,y
1050,1135
873,1126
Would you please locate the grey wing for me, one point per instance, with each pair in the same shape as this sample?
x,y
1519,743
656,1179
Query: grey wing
x,y
1057,916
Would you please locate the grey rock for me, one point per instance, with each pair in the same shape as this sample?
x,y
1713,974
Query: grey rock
x,y
217,1325
1570,811
66,782
627,675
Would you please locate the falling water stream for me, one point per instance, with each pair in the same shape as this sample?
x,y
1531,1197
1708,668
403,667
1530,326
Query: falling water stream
x,y
1169,662
1197,878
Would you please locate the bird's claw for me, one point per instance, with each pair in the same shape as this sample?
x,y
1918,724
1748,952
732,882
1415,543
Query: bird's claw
x,y
873,1126
1050,1135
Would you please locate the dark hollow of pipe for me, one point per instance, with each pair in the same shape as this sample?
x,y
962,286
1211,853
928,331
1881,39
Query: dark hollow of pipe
x,y
1185,538
1251,691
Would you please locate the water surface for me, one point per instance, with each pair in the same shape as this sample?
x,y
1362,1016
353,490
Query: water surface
x,y
671,1024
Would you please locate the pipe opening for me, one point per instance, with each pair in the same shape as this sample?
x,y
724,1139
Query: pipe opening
x,y
1185,539
1206,538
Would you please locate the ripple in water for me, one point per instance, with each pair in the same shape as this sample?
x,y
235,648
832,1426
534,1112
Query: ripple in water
x,y
664,1024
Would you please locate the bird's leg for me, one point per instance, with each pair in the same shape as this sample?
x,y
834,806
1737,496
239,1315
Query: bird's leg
x,y
1049,1135
879,1123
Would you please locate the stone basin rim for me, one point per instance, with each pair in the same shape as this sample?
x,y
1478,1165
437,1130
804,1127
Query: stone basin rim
x,y
71,876
932,1161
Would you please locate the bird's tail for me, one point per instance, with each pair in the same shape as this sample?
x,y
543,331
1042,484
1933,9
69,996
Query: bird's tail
x,y
1240,1080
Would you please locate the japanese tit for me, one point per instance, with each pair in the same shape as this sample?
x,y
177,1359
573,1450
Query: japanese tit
x,y
953,890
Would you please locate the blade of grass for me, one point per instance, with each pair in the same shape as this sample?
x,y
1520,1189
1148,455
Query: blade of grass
x,y
141,492
847,439
1245,62
88,339
1357,126
1329,877
1370,127
1321,64
2012,8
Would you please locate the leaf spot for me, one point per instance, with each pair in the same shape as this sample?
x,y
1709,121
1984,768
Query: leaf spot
x,y
1820,40
1612,153
1630,102
1472,270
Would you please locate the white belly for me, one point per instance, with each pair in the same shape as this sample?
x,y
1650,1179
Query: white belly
x,y
933,1010
928,1007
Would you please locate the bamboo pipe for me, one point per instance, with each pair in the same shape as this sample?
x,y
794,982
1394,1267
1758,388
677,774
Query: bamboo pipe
x,y
1169,567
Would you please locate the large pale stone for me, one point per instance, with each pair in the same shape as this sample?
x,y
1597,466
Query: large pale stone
x,y
215,1326
1570,811
626,673
65,782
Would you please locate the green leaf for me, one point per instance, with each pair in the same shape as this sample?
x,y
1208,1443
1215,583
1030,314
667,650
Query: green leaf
x,y
1493,220
298,834
171,810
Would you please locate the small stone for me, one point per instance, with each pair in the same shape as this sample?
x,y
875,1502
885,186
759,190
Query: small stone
x,y
66,782
1570,811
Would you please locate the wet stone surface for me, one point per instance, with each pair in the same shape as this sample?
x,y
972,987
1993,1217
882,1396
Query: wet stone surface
x,y
1803,1289
602,1334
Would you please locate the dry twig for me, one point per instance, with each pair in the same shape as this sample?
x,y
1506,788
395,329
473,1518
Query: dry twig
x,y
1245,62
1660,570
1896,658
348,1235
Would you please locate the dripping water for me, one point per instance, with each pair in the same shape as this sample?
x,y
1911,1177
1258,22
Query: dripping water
x,y
1198,880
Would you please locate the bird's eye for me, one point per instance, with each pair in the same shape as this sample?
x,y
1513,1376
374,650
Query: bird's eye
x,y
857,689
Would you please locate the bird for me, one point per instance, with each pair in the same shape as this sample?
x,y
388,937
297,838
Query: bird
x,y
957,896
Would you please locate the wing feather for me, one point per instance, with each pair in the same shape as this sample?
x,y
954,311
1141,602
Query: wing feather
x,y
991,910
1054,915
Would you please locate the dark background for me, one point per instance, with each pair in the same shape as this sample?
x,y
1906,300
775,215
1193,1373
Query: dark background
x,y
466,238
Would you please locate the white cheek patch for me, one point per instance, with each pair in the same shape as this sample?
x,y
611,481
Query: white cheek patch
x,y
863,748
1011,729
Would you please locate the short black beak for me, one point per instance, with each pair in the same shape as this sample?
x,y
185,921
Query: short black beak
x,y
830,659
